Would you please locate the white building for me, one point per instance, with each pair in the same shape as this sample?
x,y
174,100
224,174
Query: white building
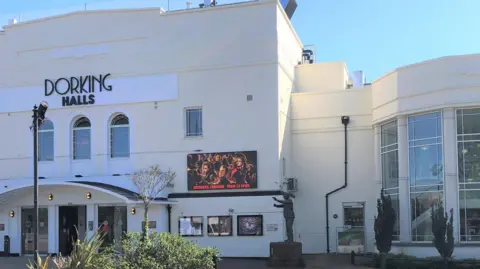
x,y
172,86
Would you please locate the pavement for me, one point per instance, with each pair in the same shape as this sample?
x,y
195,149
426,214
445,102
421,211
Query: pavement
x,y
322,261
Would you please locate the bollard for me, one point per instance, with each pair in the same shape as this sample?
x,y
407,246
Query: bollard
x,y
6,246
352,257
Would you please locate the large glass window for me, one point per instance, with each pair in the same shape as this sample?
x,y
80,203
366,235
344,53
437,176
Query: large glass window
x,y
119,137
45,142
425,171
81,139
468,137
389,153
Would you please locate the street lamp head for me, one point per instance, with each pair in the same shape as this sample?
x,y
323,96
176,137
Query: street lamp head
x,y
42,110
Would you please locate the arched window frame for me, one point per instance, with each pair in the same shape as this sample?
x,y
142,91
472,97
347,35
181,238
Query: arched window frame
x,y
119,121
77,126
47,127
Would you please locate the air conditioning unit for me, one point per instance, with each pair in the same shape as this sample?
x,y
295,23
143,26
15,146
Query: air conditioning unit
x,y
292,184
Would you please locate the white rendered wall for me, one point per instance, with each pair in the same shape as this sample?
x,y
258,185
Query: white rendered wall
x,y
233,246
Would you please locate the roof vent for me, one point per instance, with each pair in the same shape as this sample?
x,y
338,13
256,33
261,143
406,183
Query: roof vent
x,y
358,79
12,21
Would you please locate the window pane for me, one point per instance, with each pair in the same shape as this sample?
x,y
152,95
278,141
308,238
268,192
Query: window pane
x,y
120,142
81,144
389,133
421,209
120,120
390,169
46,125
82,123
396,207
425,126
45,146
469,162
426,165
469,215
471,124
194,122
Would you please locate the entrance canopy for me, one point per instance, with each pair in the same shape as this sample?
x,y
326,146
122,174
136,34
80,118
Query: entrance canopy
x,y
23,187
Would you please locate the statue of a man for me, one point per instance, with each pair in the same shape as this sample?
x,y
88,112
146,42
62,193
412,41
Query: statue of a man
x,y
288,213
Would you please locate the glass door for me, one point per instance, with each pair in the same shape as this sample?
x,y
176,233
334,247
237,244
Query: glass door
x,y
112,221
27,231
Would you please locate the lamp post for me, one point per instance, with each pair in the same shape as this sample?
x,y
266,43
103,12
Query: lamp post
x,y
38,118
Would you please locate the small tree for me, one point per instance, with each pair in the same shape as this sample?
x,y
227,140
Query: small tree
x,y
150,182
442,228
384,226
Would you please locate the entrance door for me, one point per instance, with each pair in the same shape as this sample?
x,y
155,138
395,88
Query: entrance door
x,y
27,231
68,223
112,220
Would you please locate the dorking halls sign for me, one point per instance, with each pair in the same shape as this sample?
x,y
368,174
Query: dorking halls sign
x,y
76,91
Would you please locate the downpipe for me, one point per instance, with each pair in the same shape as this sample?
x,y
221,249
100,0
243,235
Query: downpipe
x,y
169,210
345,122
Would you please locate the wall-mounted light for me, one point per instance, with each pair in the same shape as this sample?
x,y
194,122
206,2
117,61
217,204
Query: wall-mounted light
x,y
89,196
12,214
50,197
133,211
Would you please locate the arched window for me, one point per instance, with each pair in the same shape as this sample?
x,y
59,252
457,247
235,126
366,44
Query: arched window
x,y
120,137
82,139
45,142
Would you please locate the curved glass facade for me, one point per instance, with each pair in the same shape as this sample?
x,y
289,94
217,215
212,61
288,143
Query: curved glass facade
x,y
432,175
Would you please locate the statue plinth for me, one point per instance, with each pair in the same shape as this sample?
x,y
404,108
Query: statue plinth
x,y
286,254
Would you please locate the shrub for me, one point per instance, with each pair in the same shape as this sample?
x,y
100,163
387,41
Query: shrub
x,y
384,225
442,228
165,251
86,254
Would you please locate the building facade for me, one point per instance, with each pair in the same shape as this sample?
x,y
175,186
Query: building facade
x,y
240,114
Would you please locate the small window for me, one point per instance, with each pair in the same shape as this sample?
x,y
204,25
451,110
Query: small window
x,y
82,139
193,121
45,142
120,137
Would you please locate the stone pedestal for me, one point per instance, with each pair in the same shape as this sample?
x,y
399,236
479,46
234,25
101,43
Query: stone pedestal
x,y
286,254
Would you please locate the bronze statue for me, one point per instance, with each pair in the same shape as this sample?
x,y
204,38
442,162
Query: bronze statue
x,y
288,213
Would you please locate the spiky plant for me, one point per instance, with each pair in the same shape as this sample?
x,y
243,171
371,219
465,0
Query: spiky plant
x,y
442,228
40,264
84,253
384,226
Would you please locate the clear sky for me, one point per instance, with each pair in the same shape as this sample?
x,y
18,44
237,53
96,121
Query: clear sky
x,y
375,36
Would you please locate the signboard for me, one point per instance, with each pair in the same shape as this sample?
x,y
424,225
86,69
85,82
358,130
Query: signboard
x,y
272,227
222,170
77,91
151,224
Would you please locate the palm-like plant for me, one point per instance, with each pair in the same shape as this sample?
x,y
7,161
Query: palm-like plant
x,y
83,255
40,264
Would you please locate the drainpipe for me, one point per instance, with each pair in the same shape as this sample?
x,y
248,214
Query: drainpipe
x,y
169,210
345,122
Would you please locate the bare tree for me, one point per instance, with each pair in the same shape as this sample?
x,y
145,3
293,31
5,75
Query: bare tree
x,y
150,182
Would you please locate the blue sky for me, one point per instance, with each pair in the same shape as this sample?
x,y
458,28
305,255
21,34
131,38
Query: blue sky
x,y
375,36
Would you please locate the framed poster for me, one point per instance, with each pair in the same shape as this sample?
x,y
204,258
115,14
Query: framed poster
x,y
190,226
250,225
220,226
222,170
